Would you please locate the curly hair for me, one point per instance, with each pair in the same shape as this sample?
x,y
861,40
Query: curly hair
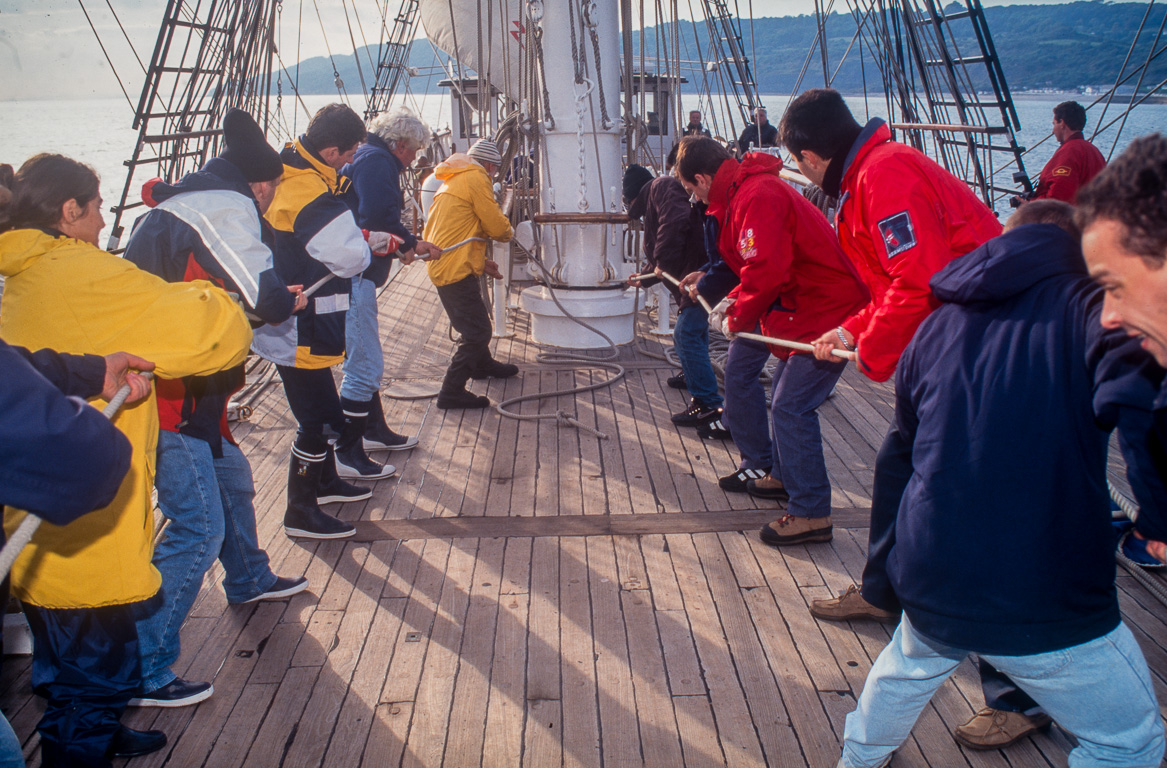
x,y
1133,192
401,126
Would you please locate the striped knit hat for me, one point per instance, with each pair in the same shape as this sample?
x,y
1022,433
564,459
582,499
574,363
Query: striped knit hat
x,y
485,151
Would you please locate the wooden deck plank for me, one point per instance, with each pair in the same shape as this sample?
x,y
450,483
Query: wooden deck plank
x,y
506,709
767,707
654,707
736,733
465,741
618,714
698,730
431,705
680,654
577,662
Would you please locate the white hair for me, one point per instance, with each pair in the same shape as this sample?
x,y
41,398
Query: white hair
x,y
401,126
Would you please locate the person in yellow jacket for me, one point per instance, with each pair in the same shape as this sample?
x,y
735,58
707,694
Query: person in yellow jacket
x,y
465,207
79,581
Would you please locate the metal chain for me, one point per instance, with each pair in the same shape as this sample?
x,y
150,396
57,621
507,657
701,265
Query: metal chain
x,y
580,112
589,13
280,74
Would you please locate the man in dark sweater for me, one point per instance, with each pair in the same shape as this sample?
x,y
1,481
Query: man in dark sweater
x,y
674,242
993,552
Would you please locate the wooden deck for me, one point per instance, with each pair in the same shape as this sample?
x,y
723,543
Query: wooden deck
x,y
525,594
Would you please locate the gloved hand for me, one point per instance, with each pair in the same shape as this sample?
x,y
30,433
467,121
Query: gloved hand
x,y
718,319
382,243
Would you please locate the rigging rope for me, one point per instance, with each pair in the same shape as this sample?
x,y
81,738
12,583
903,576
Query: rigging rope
x,y
104,52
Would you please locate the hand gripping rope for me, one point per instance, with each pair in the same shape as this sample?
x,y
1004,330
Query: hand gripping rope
x,y
754,336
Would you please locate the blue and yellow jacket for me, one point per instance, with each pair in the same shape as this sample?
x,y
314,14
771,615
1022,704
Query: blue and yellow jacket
x,y
315,236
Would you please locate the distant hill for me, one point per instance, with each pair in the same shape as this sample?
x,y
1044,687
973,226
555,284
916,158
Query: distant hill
x,y
1058,47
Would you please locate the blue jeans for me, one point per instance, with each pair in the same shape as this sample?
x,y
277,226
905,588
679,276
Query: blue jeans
x,y
745,403
364,361
1100,691
691,342
209,504
11,755
801,384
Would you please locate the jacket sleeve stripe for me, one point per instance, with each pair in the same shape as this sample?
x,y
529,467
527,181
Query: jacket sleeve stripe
x,y
235,221
338,245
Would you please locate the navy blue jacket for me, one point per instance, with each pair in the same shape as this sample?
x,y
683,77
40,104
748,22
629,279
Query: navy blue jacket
x,y
59,457
375,199
719,278
1004,403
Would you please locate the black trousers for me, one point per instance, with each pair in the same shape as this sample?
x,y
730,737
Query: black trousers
x,y
85,665
312,396
470,317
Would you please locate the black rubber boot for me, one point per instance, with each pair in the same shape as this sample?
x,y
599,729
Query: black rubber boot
x,y
460,398
332,489
493,369
304,518
351,461
378,435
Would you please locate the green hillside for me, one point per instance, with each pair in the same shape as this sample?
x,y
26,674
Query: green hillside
x,y
1062,47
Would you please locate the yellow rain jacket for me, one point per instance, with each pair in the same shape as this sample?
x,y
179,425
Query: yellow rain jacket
x,y
73,297
463,207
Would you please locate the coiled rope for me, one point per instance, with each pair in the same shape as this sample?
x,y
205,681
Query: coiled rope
x,y
604,362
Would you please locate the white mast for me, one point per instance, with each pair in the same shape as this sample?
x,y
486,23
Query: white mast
x,y
580,219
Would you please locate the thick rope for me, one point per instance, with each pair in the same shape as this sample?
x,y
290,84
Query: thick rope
x,y
562,417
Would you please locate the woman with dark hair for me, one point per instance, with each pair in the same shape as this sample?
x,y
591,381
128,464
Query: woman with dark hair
x,y
79,581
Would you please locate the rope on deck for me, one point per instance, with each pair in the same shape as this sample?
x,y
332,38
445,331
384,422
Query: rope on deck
x,y
605,363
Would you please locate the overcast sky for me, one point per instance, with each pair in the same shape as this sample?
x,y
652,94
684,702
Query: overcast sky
x,y
48,51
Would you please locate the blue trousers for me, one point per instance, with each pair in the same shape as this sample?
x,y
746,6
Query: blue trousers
x,y
691,342
745,403
364,360
801,384
1100,691
208,501
85,666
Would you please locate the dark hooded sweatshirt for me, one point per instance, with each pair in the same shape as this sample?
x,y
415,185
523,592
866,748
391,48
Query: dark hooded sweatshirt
x,y
1004,402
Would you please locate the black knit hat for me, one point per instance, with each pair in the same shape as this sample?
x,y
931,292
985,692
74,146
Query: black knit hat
x,y
247,148
634,180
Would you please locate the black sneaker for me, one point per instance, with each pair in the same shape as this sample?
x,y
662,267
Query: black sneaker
x,y
282,588
736,483
713,429
176,693
697,413
678,381
130,743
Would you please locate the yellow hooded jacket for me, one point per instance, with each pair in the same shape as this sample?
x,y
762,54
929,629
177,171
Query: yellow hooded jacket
x,y
463,207
71,296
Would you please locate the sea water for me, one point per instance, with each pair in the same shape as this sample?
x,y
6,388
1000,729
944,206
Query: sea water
x,y
99,132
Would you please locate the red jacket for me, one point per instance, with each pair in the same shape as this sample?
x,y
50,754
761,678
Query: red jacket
x,y
1075,163
901,219
795,279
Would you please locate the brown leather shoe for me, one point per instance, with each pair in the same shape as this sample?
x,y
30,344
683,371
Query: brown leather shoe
x,y
789,529
850,606
995,728
767,488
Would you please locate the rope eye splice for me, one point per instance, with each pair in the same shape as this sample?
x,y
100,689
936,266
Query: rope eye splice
x,y
24,532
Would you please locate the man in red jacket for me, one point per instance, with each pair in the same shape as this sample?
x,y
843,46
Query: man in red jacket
x,y
1076,161
901,219
795,284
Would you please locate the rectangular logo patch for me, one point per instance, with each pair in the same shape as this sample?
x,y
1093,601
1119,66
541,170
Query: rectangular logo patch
x,y
898,233
335,303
